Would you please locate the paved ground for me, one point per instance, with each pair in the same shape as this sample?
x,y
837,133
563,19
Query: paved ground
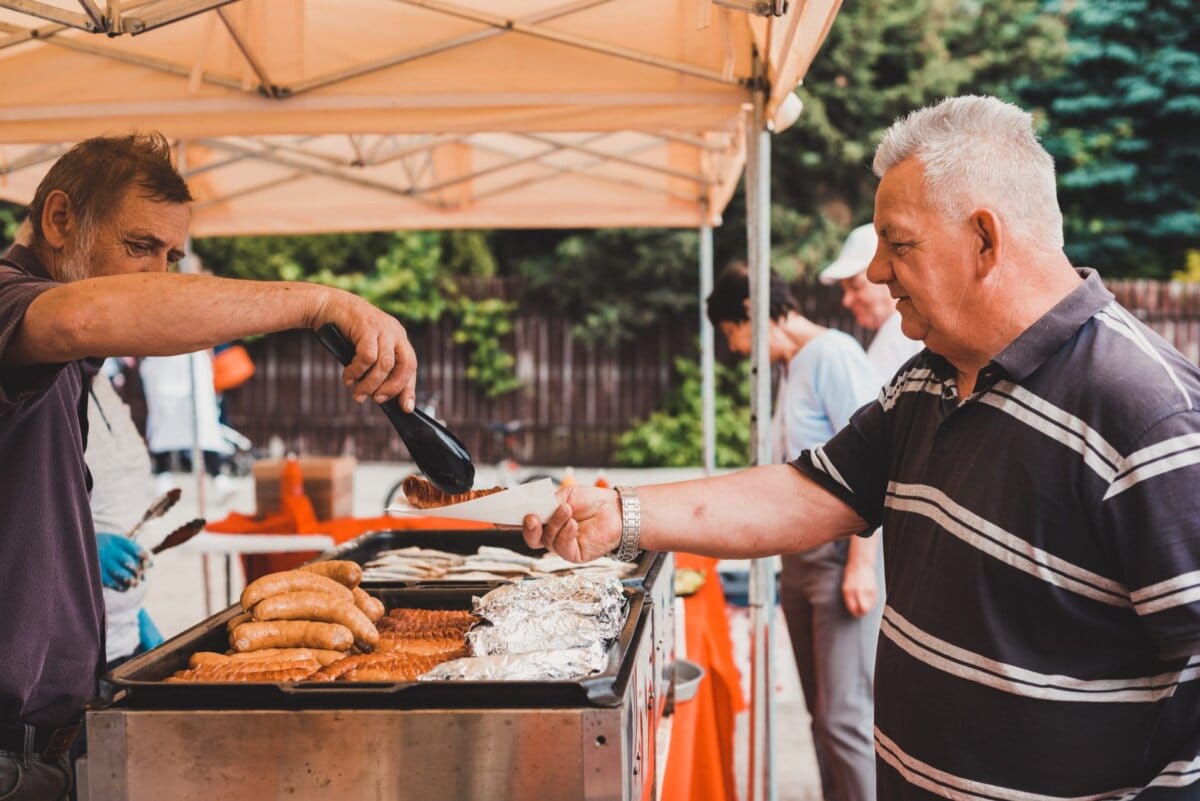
x,y
176,600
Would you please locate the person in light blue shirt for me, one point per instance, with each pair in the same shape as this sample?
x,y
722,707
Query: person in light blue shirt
x,y
830,595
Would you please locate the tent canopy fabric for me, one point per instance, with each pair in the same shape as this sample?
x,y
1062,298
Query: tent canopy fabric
x,y
319,115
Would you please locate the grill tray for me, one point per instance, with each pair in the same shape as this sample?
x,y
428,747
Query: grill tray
x,y
362,549
141,678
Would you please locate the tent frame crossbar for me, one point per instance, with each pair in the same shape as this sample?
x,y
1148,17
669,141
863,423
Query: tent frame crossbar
x,y
582,170
116,22
387,62
271,155
570,40
266,87
702,180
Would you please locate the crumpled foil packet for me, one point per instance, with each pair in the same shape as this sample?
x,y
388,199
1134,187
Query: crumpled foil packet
x,y
549,614
566,664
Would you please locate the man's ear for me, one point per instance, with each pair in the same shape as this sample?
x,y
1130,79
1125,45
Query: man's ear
x,y
987,237
58,219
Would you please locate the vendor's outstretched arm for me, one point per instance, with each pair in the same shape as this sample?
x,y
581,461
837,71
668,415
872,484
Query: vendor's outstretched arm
x,y
161,314
757,512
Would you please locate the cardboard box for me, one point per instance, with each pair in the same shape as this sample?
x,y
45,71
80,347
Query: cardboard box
x,y
328,483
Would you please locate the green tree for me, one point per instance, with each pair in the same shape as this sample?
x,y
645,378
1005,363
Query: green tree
x,y
882,60
1122,125
613,283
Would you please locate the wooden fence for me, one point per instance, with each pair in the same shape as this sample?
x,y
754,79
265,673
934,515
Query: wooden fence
x,y
576,399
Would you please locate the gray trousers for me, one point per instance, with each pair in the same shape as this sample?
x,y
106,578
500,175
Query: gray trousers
x,y
34,780
835,655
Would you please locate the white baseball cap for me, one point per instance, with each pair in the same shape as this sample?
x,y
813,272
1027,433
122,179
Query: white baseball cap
x,y
855,256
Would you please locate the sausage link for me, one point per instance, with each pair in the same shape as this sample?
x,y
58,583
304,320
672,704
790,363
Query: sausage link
x,y
291,581
291,634
318,606
343,571
371,607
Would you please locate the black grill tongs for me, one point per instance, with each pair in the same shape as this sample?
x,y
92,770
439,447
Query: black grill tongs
x,y
437,452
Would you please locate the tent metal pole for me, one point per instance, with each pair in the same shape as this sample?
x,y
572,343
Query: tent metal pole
x,y
762,571
708,387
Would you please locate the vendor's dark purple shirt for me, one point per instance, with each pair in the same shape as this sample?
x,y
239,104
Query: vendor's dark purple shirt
x,y
51,610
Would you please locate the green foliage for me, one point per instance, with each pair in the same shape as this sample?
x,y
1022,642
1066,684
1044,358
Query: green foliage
x,y
408,273
406,281
882,60
614,283
1191,268
1121,124
482,324
270,258
673,436
467,253
10,218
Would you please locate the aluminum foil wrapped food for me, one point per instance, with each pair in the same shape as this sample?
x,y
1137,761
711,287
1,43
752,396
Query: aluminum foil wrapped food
x,y
565,664
549,614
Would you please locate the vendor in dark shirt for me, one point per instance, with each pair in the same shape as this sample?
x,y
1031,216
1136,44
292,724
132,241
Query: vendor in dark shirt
x,y
92,280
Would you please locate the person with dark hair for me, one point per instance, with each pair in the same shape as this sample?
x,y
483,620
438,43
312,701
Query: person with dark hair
x,y
1035,469
90,279
829,594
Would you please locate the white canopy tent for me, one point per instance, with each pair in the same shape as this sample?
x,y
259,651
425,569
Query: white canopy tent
x,y
334,115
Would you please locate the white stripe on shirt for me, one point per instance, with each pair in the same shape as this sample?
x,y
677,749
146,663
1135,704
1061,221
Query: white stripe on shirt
x,y
947,785
1115,317
1151,469
1061,426
1015,552
915,380
973,667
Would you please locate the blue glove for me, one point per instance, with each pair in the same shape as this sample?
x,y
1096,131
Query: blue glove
x,y
148,635
120,560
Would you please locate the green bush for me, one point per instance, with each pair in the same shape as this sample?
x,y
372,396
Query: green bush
x,y
673,436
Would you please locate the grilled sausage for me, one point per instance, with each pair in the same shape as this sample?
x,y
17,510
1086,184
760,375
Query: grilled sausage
x,y
322,607
344,572
291,581
422,494
291,634
265,671
372,607
238,619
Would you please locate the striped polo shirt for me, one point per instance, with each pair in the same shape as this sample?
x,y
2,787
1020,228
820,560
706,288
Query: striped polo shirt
x,y
1042,542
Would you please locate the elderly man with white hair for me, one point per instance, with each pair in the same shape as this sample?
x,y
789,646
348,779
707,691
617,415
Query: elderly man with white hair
x,y
872,305
1036,470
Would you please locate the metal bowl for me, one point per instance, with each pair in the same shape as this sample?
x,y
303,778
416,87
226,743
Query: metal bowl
x,y
688,676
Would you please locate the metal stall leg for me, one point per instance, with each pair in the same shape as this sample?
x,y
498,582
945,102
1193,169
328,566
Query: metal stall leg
x,y
708,385
762,571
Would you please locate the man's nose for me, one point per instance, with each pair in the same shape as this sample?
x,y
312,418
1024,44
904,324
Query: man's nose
x,y
847,298
878,271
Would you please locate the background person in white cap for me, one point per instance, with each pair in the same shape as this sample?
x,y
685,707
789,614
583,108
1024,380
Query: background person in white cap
x,y
871,304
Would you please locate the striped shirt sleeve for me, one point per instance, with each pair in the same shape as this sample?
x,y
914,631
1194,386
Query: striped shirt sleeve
x,y
853,464
1150,516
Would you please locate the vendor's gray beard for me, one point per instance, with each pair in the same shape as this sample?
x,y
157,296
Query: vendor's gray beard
x,y
75,263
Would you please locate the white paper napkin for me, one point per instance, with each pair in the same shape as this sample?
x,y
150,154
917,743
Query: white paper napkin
x,y
506,508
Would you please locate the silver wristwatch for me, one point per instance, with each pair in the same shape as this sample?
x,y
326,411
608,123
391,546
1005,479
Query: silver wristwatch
x,y
631,524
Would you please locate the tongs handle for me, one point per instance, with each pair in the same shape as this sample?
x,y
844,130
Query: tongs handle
x,y
437,452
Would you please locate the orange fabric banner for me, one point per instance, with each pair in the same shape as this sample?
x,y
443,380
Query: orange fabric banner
x,y
700,760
